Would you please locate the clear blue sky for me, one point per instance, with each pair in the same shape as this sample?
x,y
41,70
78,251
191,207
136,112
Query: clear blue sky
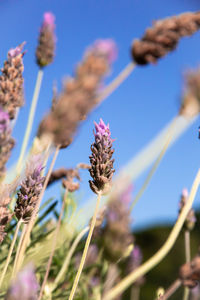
x,y
137,110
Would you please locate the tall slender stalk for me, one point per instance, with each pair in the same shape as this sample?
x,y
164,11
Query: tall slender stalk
x,y
154,167
10,251
32,220
30,120
18,249
117,81
157,257
171,290
53,247
85,251
187,259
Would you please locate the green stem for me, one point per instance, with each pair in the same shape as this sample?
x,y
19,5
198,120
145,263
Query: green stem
x,y
30,120
10,251
69,256
156,258
187,259
85,251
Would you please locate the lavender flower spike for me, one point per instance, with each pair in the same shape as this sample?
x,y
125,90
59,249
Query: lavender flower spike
x,y
6,141
11,81
25,286
106,48
101,159
30,189
46,43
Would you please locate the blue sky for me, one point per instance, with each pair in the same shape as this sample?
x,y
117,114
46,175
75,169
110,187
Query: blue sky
x,y
145,102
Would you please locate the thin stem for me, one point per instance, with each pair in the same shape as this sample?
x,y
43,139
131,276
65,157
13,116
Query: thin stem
x,y
85,251
18,250
156,258
135,292
32,220
187,246
187,259
116,82
30,120
186,293
69,256
154,167
171,290
10,251
53,247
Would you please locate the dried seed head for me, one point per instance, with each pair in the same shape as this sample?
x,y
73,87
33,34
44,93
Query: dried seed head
x,y
101,159
11,82
25,286
45,51
79,95
190,105
30,189
164,36
191,218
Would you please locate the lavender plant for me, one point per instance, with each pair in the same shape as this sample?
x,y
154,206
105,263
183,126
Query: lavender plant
x,y
102,260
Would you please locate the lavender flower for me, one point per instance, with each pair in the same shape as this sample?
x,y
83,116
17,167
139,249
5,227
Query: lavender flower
x,y
79,95
25,286
134,261
30,189
117,230
46,44
11,81
164,36
5,214
191,219
101,163
106,48
190,105
6,141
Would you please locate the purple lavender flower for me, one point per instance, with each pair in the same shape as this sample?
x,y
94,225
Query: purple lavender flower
x,y
117,230
25,286
13,52
6,141
30,189
45,51
11,81
126,195
49,21
106,48
101,163
134,261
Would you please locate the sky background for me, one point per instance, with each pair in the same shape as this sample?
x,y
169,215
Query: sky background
x,y
137,111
